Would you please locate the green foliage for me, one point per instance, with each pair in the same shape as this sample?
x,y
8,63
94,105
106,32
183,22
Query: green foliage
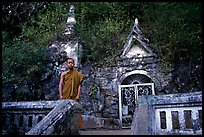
x,y
23,56
46,26
103,34
174,30
21,61
93,91
22,94
109,43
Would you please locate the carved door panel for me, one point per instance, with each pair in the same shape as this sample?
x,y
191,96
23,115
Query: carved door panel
x,y
145,89
127,102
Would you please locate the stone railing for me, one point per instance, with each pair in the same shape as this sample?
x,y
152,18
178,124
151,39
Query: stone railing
x,y
172,114
40,117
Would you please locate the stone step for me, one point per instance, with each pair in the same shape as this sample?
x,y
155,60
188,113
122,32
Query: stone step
x,y
105,132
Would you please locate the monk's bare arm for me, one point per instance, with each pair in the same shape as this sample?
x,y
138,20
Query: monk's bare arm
x,y
81,77
60,85
78,93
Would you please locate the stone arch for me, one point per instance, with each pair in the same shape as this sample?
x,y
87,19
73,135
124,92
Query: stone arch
x,y
139,77
136,79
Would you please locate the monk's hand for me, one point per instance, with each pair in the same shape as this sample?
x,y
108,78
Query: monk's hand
x,y
77,98
61,97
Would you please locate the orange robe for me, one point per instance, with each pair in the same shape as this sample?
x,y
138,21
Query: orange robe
x,y
71,81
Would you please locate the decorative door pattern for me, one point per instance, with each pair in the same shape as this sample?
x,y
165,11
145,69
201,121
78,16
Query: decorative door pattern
x,y
145,89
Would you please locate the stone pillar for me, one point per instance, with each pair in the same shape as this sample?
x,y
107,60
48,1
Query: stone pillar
x,y
142,123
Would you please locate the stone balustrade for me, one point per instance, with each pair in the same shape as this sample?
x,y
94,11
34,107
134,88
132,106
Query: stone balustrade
x,y
40,117
154,115
171,114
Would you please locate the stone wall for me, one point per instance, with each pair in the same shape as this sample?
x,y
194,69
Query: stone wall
x,y
147,64
100,87
99,96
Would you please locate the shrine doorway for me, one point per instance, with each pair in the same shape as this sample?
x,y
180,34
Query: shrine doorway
x,y
131,88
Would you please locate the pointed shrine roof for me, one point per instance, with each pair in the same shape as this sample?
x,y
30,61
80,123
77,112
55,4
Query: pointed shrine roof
x,y
136,34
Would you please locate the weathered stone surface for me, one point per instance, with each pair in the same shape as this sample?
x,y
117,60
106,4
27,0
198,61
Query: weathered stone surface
x,y
141,121
30,105
91,122
58,117
146,116
179,97
62,120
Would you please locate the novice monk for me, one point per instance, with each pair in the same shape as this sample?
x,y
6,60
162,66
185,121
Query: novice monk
x,y
71,81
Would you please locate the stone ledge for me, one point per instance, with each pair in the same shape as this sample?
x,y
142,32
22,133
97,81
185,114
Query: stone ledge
x,y
170,99
30,104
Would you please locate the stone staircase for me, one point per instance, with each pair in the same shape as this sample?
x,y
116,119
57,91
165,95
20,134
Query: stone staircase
x,y
105,132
